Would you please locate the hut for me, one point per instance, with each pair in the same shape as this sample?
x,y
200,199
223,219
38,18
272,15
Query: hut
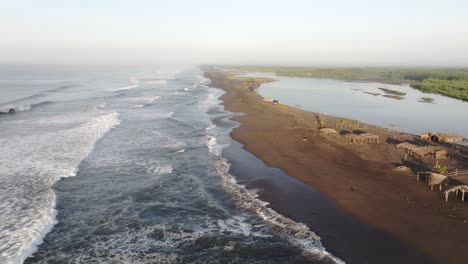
x,y
423,152
442,137
406,147
362,138
450,138
328,131
268,100
430,152
435,179
437,152
456,189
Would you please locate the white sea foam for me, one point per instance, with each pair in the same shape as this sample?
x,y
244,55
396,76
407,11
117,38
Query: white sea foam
x,y
29,166
158,167
211,100
18,108
145,100
167,141
160,82
132,83
210,127
297,233
157,115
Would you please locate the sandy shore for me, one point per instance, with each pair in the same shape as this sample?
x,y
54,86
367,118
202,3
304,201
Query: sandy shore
x,y
358,178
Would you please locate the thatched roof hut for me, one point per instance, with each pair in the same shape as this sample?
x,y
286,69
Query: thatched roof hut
x,y
430,151
442,137
362,138
328,131
405,146
437,179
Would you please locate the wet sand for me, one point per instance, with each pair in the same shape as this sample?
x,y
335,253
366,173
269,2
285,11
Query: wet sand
x,y
364,211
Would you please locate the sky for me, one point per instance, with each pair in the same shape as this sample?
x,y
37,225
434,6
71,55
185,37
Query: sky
x,y
293,32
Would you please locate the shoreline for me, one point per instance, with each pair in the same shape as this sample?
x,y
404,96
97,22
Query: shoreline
x,y
354,179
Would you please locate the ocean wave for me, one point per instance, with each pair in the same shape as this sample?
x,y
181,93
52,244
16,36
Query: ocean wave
x,y
58,89
146,100
29,166
159,82
22,107
133,83
158,167
158,115
297,234
166,141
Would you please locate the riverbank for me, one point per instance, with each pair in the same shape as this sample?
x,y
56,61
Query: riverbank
x,y
359,180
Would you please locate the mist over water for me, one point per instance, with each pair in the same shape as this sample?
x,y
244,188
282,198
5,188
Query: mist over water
x,y
124,165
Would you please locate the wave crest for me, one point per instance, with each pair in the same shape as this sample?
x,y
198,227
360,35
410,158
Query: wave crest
x,y
29,166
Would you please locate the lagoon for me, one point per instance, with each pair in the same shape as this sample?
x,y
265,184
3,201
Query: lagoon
x,y
367,103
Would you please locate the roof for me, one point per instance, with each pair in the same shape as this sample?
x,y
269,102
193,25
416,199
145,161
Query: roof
x,y
328,130
406,145
423,151
436,178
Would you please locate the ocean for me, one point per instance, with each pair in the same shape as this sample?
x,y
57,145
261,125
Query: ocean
x,y
126,164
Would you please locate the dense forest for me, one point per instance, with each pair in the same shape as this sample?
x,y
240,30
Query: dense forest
x,y
448,82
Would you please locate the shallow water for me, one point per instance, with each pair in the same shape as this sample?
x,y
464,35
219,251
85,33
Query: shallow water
x,y
124,165
350,100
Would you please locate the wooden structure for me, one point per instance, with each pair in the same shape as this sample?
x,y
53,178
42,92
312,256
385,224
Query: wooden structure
x,y
362,138
442,137
434,179
406,147
456,189
423,152
328,131
436,152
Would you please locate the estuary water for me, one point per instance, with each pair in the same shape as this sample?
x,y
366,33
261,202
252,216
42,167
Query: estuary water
x,y
367,103
124,164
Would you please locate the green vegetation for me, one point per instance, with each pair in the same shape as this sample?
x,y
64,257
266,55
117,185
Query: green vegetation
x,y
282,106
448,82
440,169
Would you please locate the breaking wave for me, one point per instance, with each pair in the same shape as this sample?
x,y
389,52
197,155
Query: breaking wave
x,y
22,107
146,100
132,83
30,165
297,234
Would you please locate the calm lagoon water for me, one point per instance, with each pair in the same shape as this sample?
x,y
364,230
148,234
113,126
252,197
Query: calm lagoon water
x,y
348,99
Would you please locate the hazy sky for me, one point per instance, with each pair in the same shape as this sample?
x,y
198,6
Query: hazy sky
x,y
305,32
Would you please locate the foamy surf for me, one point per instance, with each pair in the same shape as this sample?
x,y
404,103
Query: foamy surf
x,y
297,234
146,100
132,83
30,167
158,82
150,191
